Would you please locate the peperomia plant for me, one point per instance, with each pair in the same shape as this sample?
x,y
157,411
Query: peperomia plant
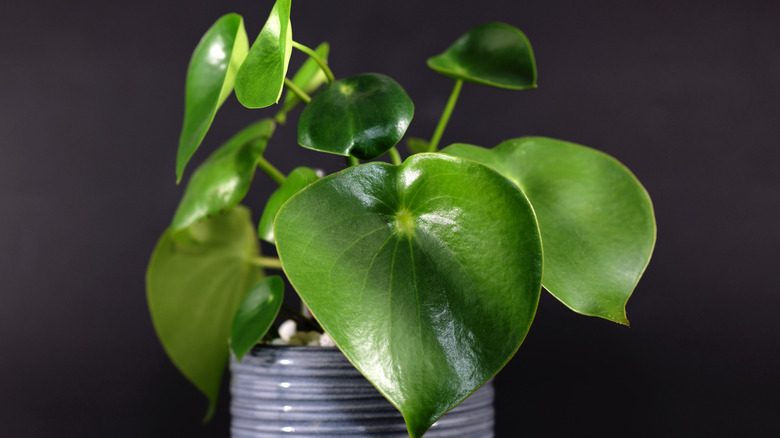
x,y
426,272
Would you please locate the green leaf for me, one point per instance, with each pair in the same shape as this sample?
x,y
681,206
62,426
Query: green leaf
x,y
417,145
193,289
256,314
494,54
308,78
297,179
362,116
223,180
596,219
261,78
426,275
210,79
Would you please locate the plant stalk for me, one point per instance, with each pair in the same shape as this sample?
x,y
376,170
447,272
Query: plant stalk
x,y
395,156
267,262
321,62
297,91
445,116
271,170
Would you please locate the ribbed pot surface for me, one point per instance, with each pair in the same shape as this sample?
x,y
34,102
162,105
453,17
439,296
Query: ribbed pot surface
x,y
281,391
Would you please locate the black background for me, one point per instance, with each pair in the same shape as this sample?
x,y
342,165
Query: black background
x,y
685,93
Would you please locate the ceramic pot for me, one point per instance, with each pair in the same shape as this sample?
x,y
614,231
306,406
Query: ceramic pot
x,y
283,391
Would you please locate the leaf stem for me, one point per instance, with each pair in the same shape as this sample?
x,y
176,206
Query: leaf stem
x,y
271,170
395,156
321,62
297,91
352,161
267,262
445,116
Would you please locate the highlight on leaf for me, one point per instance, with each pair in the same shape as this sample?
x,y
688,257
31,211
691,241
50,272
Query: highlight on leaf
x,y
596,219
223,179
389,258
260,79
362,116
493,54
210,79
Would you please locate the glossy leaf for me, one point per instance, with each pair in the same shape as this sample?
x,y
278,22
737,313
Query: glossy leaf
x,y
223,180
494,54
362,116
193,289
210,79
297,179
308,78
256,314
426,275
261,78
597,221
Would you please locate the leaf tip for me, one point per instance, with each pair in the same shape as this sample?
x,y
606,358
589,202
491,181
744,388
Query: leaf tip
x,y
210,411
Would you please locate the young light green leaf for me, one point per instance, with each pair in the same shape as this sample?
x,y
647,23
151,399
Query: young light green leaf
x,y
494,54
261,78
308,78
596,219
256,314
193,290
210,79
401,265
223,180
362,116
299,178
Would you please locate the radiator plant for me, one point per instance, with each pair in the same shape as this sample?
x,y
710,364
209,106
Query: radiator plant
x,y
426,272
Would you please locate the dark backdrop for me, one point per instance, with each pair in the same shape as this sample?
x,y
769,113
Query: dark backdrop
x,y
685,93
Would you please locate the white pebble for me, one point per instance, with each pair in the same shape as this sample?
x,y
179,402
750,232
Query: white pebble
x,y
326,341
287,330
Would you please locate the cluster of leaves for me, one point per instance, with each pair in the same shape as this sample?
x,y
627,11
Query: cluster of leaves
x,y
425,272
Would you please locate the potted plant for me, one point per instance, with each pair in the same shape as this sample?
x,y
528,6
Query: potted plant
x,y
425,272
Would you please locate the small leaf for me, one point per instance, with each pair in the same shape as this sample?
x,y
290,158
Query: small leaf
x,y
223,180
308,78
193,290
494,54
362,116
210,80
417,145
261,78
596,219
426,275
297,179
256,314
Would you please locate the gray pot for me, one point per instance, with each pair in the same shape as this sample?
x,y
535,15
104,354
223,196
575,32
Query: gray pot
x,y
281,391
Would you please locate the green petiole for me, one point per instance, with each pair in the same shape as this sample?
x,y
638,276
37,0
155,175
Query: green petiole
x,y
267,262
321,62
271,170
445,116
297,91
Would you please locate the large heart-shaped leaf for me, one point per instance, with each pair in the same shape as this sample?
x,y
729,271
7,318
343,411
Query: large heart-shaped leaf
x,y
223,180
299,178
308,78
426,275
210,79
256,314
261,78
596,219
494,54
362,116
193,289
